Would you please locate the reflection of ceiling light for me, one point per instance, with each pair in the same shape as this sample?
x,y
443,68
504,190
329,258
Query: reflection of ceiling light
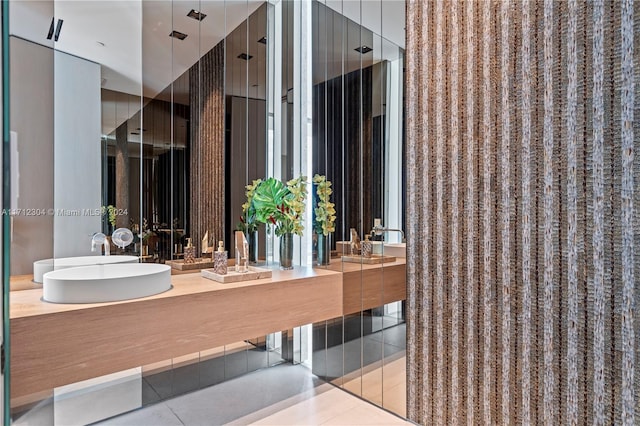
x,y
51,28
178,35
58,28
263,40
245,56
196,15
363,49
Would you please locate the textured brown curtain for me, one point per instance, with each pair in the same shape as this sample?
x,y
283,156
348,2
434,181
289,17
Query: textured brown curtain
x,y
206,213
523,232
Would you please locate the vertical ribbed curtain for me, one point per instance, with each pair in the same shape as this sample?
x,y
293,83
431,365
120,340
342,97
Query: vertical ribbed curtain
x,y
523,236
207,173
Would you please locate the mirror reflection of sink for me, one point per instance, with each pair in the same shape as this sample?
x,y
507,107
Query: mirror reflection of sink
x,y
395,249
106,283
41,267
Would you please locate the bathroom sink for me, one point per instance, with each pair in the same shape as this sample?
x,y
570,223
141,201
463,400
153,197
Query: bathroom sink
x,y
106,283
41,267
395,249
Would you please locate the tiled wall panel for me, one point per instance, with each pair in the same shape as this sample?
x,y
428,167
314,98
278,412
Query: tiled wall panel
x,y
522,225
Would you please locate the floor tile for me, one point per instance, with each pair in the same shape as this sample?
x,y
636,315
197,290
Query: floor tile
x,y
155,415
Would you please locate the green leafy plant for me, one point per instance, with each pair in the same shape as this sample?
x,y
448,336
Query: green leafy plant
x,y
324,210
110,212
282,205
248,220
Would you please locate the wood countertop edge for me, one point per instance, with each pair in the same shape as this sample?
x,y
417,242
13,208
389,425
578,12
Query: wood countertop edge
x,y
29,303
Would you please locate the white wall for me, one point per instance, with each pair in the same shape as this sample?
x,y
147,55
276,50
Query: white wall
x,y
31,74
77,165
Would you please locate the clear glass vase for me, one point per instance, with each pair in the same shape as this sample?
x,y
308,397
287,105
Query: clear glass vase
x,y
286,251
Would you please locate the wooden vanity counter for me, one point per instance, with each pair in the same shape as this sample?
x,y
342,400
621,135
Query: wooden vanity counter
x,y
370,286
56,344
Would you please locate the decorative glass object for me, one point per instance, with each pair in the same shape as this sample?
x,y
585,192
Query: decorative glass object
x,y
242,252
286,251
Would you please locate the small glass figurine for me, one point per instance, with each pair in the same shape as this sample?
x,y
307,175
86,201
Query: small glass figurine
x,y
355,243
242,252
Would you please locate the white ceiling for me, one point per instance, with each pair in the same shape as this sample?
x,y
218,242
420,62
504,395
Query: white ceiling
x,y
115,33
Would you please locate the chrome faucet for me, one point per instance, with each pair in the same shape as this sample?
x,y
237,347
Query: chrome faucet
x,y
379,230
100,238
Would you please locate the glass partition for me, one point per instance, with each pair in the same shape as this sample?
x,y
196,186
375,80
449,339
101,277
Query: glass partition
x,y
358,140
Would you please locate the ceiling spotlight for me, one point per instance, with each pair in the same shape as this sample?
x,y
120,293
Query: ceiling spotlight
x,y
245,56
263,40
196,15
178,35
363,49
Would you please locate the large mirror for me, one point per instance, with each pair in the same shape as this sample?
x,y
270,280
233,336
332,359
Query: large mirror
x,y
358,144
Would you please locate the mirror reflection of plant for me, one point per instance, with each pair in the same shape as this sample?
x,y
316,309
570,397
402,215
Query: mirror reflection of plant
x,y
282,205
248,220
110,212
146,231
178,233
324,209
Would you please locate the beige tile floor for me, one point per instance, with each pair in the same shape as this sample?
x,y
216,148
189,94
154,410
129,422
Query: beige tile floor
x,y
324,405
384,385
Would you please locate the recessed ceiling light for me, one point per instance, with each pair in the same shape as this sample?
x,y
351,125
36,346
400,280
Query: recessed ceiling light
x,y
178,35
196,15
245,56
263,40
363,49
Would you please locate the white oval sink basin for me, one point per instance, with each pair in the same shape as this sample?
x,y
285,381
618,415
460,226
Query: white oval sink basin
x,y
395,249
106,283
41,267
